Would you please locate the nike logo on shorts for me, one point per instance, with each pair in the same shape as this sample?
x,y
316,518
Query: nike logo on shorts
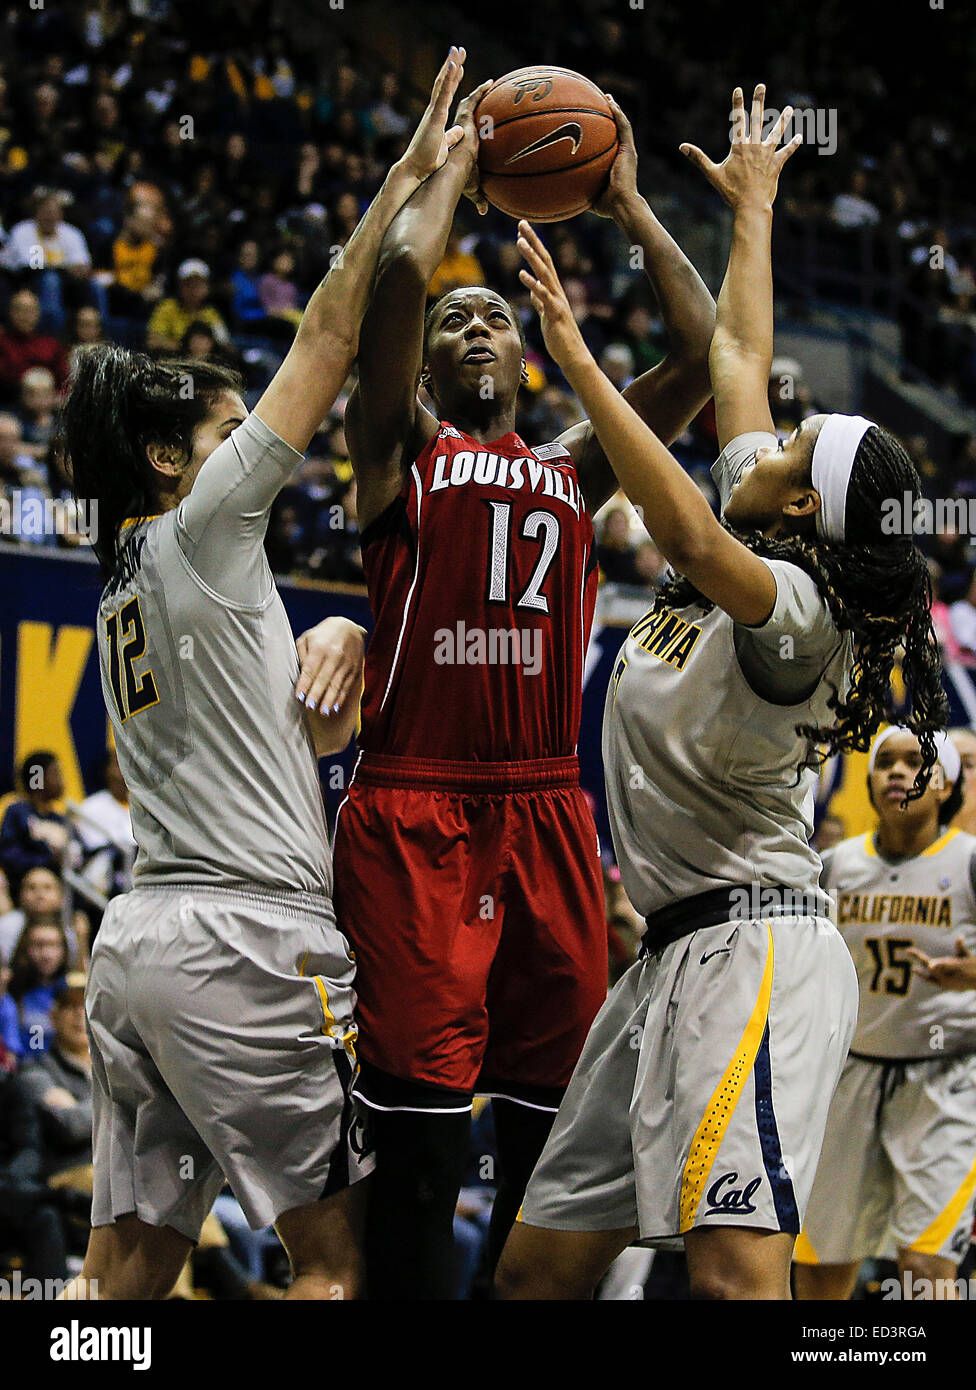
x,y
722,951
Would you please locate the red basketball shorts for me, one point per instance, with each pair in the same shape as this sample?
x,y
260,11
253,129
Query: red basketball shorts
x,y
472,895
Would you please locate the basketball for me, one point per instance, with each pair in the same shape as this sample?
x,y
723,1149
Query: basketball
x,y
547,145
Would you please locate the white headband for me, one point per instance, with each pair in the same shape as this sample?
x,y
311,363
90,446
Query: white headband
x,y
833,459
946,751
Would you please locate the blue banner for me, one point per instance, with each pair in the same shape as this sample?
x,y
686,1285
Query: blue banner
x,y
51,697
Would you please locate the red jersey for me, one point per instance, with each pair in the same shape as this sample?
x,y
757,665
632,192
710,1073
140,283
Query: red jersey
x,y
482,577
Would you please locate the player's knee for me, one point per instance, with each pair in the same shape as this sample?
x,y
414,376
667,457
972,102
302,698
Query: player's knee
x,y
933,1274
724,1284
519,1278
327,1283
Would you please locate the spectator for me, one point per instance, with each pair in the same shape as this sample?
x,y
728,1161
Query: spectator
x,y
246,308
458,268
951,552
33,833
38,398
962,619
854,209
60,1082
16,462
37,975
41,896
29,1210
9,1019
615,551
172,317
54,253
198,341
87,330
135,283
965,741
829,832
649,564
617,362
22,346
104,827
278,291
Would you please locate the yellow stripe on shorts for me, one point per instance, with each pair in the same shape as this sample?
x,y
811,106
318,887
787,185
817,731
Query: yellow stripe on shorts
x,y
720,1109
932,1239
803,1251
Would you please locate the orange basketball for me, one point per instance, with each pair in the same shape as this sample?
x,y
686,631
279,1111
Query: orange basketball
x,y
546,148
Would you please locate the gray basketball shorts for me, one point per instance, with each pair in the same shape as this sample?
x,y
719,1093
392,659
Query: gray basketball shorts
x,y
701,1095
898,1165
223,1047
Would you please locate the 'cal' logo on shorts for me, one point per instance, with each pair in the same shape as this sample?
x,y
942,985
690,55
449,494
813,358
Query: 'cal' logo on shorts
x,y
733,1201
662,633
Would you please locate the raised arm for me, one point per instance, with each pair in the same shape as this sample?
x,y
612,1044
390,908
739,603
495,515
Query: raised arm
x,y
386,426
307,383
671,394
741,353
675,511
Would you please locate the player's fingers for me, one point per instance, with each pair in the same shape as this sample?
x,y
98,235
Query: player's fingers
x,y
699,158
338,689
756,119
531,254
320,682
528,234
789,150
454,136
442,91
924,961
779,126
472,99
738,117
625,131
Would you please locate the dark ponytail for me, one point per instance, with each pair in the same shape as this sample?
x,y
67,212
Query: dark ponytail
x,y
118,403
878,589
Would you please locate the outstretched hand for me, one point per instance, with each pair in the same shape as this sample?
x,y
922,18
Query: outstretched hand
x,y
750,172
559,328
433,139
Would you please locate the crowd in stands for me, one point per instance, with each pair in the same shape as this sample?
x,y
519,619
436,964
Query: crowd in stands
x,y
186,198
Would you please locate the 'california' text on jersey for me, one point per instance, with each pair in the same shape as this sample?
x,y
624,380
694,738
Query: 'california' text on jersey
x,y
482,578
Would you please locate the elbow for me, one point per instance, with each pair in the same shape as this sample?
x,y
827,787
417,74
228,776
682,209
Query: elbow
x,y
684,552
400,260
729,350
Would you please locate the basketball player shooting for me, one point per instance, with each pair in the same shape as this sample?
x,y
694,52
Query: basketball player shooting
x,y
467,866
220,1000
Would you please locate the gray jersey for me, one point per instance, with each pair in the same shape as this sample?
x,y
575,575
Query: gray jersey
x,y
198,668
699,740
883,907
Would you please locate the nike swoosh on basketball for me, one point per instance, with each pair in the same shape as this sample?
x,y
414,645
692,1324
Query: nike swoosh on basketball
x,y
570,130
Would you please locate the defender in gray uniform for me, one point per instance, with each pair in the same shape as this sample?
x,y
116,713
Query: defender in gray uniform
x,y
697,1109
899,1159
221,1000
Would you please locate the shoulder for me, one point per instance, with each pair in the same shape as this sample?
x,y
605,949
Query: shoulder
x,y
799,611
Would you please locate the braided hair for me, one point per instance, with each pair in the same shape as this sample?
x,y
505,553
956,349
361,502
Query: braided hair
x,y
118,403
877,587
